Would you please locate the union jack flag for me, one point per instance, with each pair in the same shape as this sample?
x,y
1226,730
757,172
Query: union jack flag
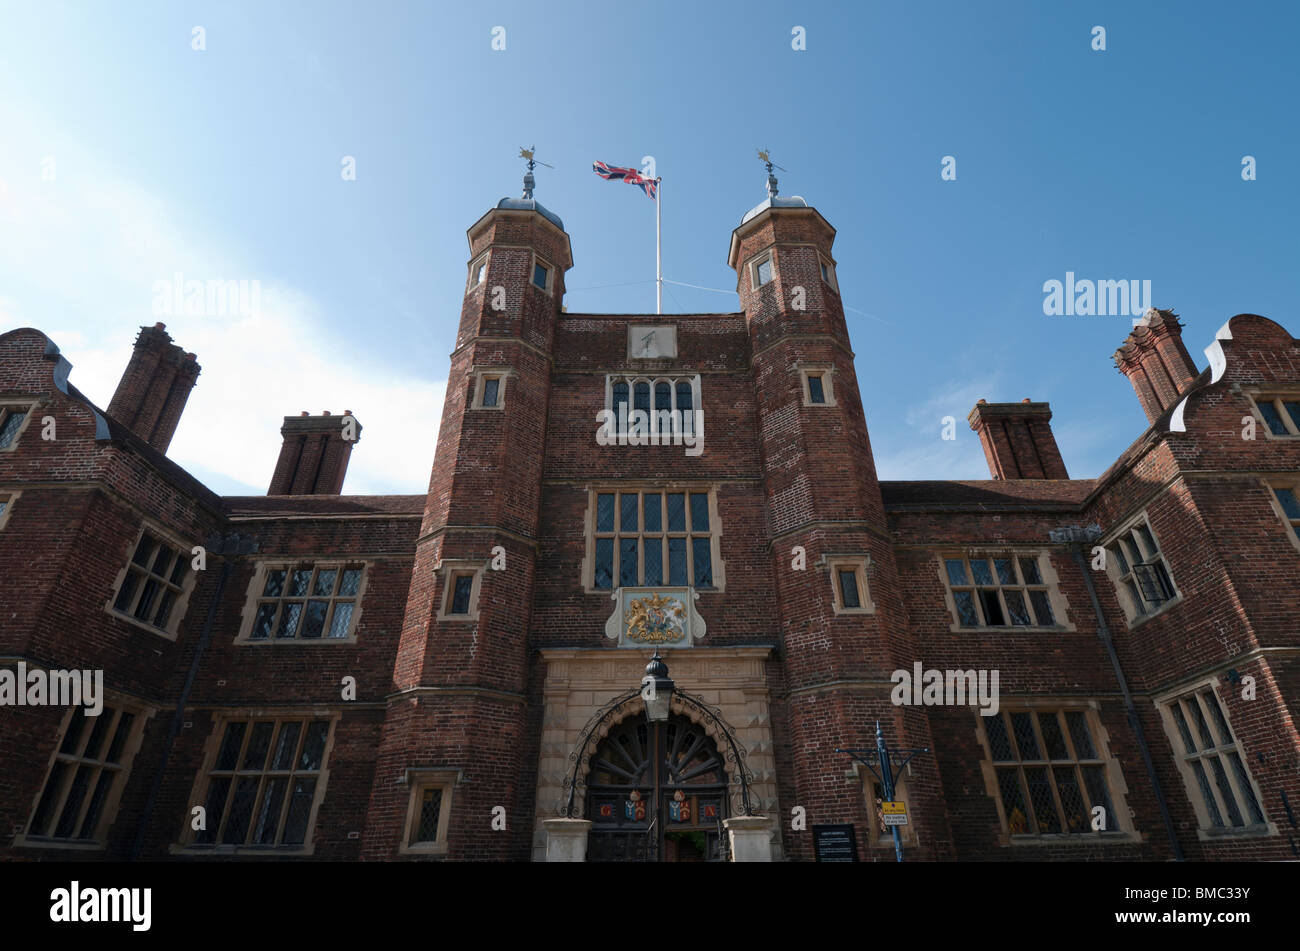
x,y
612,173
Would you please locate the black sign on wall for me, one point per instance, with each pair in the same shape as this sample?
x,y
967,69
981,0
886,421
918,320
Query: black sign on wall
x,y
835,843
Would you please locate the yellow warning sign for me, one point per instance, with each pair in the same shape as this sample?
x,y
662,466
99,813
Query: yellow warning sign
x,y
893,813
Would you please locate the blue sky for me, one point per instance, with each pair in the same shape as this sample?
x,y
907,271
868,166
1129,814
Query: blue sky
x,y
224,164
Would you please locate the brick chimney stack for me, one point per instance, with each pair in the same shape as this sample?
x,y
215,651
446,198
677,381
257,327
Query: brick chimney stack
x,y
154,388
314,455
1156,362
1017,439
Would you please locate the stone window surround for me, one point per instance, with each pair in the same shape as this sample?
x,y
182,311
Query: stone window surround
x,y
9,497
257,584
419,779
477,374
27,406
1284,481
212,746
182,599
589,531
767,254
108,816
632,379
829,279
833,563
471,282
1268,394
827,372
1163,702
1114,775
450,569
1122,595
1055,596
549,289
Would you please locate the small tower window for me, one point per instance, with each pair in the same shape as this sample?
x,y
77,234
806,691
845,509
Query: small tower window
x,y
460,597
763,271
849,591
849,588
461,593
540,274
815,392
818,387
828,272
488,388
478,272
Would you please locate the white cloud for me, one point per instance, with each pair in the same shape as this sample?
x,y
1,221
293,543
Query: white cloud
x,y
79,256
259,369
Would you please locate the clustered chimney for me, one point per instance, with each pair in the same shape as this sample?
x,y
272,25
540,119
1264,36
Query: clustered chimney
x,y
154,388
1017,439
1156,362
314,455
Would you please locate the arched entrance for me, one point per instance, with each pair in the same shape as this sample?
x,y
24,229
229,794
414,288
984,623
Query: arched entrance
x,y
642,813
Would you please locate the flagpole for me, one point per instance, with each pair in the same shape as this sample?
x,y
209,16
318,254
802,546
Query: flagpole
x,y
659,260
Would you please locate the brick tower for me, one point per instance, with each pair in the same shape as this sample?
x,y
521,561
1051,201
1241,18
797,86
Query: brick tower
x,y
842,625
454,733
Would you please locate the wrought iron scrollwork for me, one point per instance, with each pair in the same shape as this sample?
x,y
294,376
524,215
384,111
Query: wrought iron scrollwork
x,y
588,741
734,754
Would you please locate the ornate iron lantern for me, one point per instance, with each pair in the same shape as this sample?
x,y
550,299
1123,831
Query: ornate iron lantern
x,y
657,689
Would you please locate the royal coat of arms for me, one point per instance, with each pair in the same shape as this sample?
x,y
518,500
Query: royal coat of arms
x,y
656,619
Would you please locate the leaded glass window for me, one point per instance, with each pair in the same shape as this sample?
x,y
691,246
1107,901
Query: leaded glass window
x,y
11,420
999,591
154,581
1210,754
1049,773
1280,412
89,769
1141,569
815,392
307,601
426,822
1288,499
674,396
651,537
262,784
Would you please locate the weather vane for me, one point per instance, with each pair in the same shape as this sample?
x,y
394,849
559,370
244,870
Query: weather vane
x,y
766,158
529,181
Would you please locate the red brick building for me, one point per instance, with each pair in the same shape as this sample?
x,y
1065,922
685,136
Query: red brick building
x,y
310,674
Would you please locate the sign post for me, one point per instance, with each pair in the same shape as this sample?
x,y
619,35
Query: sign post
x,y
893,813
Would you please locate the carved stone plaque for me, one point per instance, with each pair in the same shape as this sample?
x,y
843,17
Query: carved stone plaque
x,y
655,617
651,342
